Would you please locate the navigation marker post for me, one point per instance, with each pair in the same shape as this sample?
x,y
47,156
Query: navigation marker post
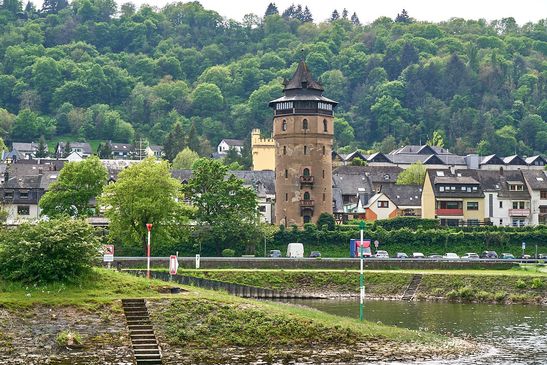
x,y
149,228
361,273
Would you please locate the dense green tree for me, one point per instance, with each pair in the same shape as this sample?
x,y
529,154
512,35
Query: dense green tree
x,y
175,142
144,193
71,194
225,209
271,10
413,175
185,159
42,150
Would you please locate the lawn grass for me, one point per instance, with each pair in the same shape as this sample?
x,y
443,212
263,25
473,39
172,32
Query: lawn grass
x,y
102,286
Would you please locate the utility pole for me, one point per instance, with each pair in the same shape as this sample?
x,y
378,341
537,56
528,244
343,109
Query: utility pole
x,y
361,273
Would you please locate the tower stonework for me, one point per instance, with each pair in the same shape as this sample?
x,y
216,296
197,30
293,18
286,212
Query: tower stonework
x,y
303,130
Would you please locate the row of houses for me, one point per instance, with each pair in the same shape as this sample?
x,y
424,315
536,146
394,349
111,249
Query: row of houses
x,y
79,150
454,196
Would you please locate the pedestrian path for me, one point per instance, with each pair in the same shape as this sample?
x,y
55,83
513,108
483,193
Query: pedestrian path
x,y
143,339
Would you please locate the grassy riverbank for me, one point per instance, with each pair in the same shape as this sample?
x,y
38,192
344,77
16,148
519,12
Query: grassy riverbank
x,y
196,326
507,286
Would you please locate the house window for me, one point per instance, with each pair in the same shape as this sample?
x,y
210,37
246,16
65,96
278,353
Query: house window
x,y
501,222
543,194
286,173
307,219
501,204
518,222
305,124
23,194
472,205
441,189
284,125
262,208
306,196
325,126
515,187
8,194
518,205
306,172
284,150
305,150
23,210
383,204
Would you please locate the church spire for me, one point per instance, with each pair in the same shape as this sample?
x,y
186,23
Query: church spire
x,y
303,79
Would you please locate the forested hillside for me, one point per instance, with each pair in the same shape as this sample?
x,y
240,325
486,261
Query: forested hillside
x,y
89,70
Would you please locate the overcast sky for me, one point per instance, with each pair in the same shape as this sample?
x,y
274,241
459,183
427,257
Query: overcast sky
x,y
432,10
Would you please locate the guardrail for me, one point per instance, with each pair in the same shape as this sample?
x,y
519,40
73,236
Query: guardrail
x,y
324,263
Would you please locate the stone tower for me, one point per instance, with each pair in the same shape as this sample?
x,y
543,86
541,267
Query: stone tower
x,y
303,129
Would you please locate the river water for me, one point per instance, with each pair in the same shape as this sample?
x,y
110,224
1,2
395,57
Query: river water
x,y
512,334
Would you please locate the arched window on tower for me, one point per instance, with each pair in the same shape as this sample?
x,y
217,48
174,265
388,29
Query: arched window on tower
x,y
306,196
325,126
324,150
305,150
284,125
286,174
284,150
306,172
305,124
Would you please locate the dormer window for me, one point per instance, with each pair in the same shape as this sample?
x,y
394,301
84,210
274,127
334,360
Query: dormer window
x,y
516,187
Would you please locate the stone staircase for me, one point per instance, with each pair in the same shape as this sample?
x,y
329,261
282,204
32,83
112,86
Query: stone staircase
x,y
143,339
412,287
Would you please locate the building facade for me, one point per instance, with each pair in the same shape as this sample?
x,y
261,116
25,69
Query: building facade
x,y
303,131
263,152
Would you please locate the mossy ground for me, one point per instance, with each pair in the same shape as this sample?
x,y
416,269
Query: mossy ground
x,y
526,285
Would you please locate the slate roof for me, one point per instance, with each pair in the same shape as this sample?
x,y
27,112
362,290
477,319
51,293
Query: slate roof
x,y
23,182
233,142
348,179
26,147
404,195
536,179
492,160
156,148
121,147
423,149
530,160
514,160
494,181
302,75
86,147
461,177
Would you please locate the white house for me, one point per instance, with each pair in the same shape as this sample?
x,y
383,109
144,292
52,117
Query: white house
x,y
226,144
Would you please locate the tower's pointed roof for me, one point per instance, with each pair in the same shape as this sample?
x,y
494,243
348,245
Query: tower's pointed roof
x,y
302,79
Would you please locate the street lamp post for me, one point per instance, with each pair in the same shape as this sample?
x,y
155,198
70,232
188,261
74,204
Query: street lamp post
x,y
361,273
149,228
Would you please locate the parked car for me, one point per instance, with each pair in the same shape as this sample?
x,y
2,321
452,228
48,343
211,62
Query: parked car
x,y
507,256
418,255
525,257
451,256
274,253
470,255
382,254
435,256
541,256
489,255
401,255
315,254
295,250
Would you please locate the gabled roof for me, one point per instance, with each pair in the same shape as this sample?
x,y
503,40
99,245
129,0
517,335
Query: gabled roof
x,y
84,146
494,181
536,179
433,160
421,149
378,157
25,147
355,154
156,148
23,182
302,79
121,147
532,159
404,195
514,160
336,156
492,160
233,142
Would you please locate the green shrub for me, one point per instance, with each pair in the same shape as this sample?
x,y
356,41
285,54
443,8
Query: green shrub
x,y
537,283
520,284
50,251
228,252
327,221
500,296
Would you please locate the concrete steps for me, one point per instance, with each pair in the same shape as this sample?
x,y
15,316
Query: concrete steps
x,y
143,339
412,287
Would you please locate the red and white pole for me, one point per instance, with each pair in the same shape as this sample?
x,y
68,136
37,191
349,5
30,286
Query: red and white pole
x,y
149,228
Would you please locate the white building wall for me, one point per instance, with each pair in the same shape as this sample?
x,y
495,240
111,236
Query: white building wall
x,y
15,218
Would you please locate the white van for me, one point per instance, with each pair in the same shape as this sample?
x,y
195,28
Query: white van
x,y
295,250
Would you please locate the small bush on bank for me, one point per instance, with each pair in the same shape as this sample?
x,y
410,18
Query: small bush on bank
x,y
50,251
228,252
68,338
521,284
537,283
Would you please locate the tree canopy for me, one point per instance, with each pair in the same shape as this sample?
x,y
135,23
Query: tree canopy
x,y
413,175
78,69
